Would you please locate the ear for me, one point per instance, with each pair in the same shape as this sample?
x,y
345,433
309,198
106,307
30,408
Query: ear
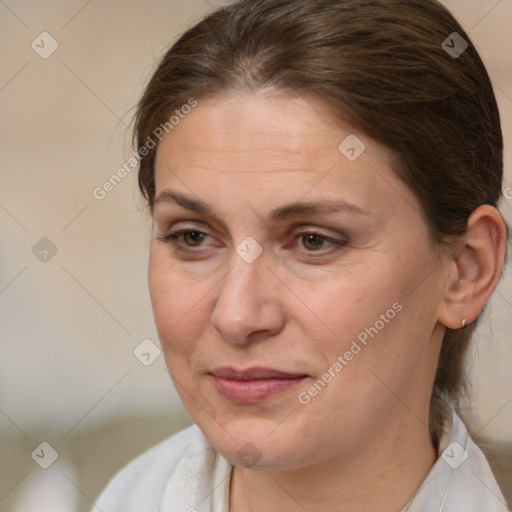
x,y
474,268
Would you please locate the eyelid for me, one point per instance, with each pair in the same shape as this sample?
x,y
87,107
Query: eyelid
x,y
307,230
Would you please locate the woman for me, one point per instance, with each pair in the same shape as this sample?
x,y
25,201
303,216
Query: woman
x,y
323,177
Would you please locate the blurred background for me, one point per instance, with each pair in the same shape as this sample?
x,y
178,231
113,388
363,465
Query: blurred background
x,y
80,367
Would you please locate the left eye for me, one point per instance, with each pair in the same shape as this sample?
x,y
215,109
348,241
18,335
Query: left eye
x,y
315,241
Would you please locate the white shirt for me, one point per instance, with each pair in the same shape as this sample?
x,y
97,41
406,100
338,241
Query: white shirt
x,y
185,474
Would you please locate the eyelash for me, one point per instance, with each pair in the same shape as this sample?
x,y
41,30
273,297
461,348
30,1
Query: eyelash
x,y
173,237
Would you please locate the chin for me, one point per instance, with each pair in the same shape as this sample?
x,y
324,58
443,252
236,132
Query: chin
x,y
256,443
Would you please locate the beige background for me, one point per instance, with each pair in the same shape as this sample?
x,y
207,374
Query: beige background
x,y
69,326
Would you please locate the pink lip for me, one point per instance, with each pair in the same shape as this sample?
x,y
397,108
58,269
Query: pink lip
x,y
253,385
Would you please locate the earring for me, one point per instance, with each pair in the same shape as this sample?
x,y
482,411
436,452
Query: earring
x,y
463,322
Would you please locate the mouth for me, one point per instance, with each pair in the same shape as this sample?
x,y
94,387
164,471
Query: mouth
x,y
254,385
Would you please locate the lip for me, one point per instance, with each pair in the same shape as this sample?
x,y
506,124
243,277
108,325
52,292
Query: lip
x,y
255,384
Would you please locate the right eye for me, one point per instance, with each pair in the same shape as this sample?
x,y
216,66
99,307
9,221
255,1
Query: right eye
x,y
190,237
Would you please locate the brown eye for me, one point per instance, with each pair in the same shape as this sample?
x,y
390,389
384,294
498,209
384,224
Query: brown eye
x,y
313,242
184,239
195,238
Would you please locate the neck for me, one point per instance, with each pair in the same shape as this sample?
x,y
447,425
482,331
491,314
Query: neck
x,y
382,475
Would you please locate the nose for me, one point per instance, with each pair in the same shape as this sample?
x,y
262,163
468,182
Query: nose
x,y
248,305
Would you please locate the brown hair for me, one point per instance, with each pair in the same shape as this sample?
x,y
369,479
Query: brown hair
x,y
381,65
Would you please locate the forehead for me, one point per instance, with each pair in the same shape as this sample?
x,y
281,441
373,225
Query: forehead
x,y
241,125
259,146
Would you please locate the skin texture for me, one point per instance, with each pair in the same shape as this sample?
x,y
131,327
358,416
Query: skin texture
x,y
362,441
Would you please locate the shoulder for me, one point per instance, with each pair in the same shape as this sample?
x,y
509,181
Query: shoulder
x,y
142,484
474,486
461,480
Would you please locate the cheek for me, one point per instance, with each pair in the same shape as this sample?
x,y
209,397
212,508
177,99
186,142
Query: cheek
x,y
371,305
178,303
354,300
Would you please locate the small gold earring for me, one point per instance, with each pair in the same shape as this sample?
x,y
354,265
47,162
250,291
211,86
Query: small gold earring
x,y
463,322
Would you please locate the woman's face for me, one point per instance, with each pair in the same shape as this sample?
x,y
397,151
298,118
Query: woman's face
x,y
298,315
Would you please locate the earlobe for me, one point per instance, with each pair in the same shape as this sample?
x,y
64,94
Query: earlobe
x,y
475,268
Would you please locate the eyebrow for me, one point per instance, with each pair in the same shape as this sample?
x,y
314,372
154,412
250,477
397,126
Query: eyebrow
x,y
284,212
